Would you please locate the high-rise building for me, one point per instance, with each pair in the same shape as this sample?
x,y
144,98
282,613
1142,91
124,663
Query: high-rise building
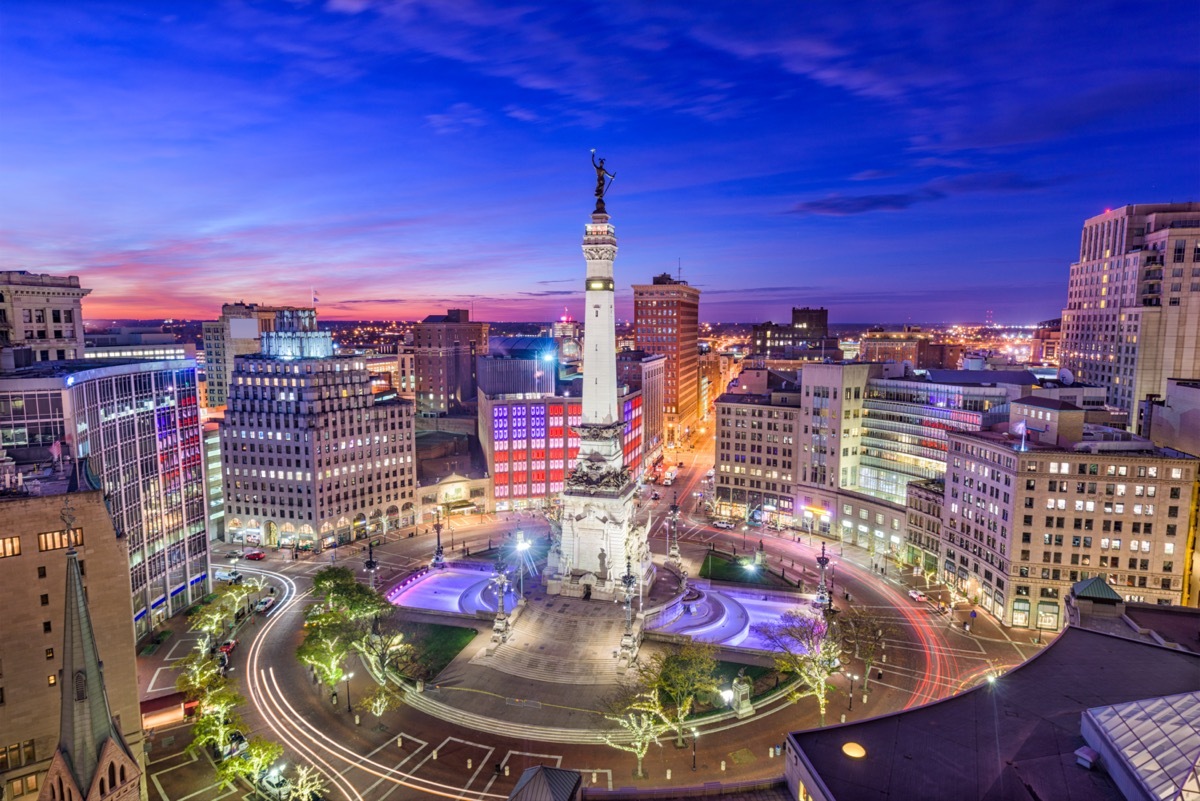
x,y
666,318
646,373
311,457
1133,305
42,313
214,488
758,447
238,333
133,427
1028,514
53,633
446,347
600,541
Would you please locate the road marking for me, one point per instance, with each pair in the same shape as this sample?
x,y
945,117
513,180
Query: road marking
x,y
154,680
187,637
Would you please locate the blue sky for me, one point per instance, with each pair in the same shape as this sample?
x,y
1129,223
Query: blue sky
x,y
922,161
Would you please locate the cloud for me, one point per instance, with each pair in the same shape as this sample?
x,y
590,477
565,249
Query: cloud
x,y
550,293
844,205
457,118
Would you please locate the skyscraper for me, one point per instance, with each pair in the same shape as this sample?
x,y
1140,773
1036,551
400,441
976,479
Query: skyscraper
x,y
666,318
1133,304
310,456
599,541
132,428
238,333
445,347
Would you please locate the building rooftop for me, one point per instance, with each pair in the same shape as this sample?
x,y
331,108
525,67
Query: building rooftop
x,y
1096,440
1048,403
70,367
984,377
1011,739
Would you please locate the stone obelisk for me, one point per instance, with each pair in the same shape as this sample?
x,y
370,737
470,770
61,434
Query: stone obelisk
x,y
599,545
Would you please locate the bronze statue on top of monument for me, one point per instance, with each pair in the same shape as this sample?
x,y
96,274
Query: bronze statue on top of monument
x,y
601,174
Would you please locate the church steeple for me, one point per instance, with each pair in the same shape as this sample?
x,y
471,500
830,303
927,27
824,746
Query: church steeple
x,y
92,759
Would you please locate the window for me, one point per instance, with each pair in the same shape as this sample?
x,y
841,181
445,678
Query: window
x,y
52,680
46,626
57,540
10,546
42,572
49,653
45,600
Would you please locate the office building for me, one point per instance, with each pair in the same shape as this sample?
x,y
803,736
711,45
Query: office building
x,y
238,333
134,427
310,456
644,372
666,317
519,366
214,486
406,373
1173,421
911,345
1132,319
805,338
757,457
42,313
445,349
1056,500
136,343
45,630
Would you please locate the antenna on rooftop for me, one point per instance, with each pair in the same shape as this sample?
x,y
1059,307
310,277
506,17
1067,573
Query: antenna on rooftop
x,y
679,268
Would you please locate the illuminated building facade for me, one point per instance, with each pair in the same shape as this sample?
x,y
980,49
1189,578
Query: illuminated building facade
x,y
42,313
239,332
446,347
666,316
135,427
311,457
1132,319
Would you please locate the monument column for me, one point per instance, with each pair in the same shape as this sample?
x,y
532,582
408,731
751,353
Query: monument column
x,y
598,535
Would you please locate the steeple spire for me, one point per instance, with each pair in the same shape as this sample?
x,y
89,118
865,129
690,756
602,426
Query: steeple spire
x,y
92,759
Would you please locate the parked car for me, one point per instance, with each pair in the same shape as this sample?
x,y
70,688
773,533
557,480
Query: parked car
x,y
235,746
233,555
917,595
264,604
255,555
227,646
656,496
276,784
723,523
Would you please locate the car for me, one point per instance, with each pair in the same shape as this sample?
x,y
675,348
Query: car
x,y
264,604
276,784
710,473
233,555
656,496
723,524
227,646
222,660
255,555
233,747
917,595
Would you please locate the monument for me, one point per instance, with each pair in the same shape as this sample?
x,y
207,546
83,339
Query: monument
x,y
599,542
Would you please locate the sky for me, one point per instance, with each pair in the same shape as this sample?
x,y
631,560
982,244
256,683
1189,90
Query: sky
x,y
898,162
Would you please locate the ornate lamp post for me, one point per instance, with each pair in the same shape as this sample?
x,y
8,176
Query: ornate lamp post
x,y
673,530
695,736
853,678
439,558
371,565
823,598
348,677
627,582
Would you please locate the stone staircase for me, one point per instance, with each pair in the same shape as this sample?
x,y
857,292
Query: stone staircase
x,y
565,642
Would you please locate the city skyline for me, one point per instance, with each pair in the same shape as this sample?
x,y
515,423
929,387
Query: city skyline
x,y
926,165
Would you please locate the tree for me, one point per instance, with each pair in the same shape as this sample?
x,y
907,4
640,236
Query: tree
x,y
208,619
259,756
802,645
327,643
198,673
678,676
360,602
383,644
306,783
380,701
331,581
217,715
866,632
235,596
643,722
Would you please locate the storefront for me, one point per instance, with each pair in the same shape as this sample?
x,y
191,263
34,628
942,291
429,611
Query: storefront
x,y
1020,613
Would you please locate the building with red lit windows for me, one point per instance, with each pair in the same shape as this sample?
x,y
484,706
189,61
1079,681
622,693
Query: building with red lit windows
x,y
530,445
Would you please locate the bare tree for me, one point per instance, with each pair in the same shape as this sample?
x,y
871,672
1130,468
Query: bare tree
x,y
677,677
803,645
643,722
865,631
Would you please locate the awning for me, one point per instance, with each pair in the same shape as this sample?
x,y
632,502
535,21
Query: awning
x,y
460,505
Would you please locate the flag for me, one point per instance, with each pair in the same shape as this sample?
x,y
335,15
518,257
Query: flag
x,y
314,294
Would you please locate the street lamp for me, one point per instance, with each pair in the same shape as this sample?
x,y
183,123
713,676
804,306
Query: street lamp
x,y
348,677
853,679
522,547
695,736
371,565
439,558
744,530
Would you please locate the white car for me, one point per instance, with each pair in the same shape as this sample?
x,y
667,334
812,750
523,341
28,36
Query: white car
x,y
276,784
917,595
710,474
723,523
264,604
